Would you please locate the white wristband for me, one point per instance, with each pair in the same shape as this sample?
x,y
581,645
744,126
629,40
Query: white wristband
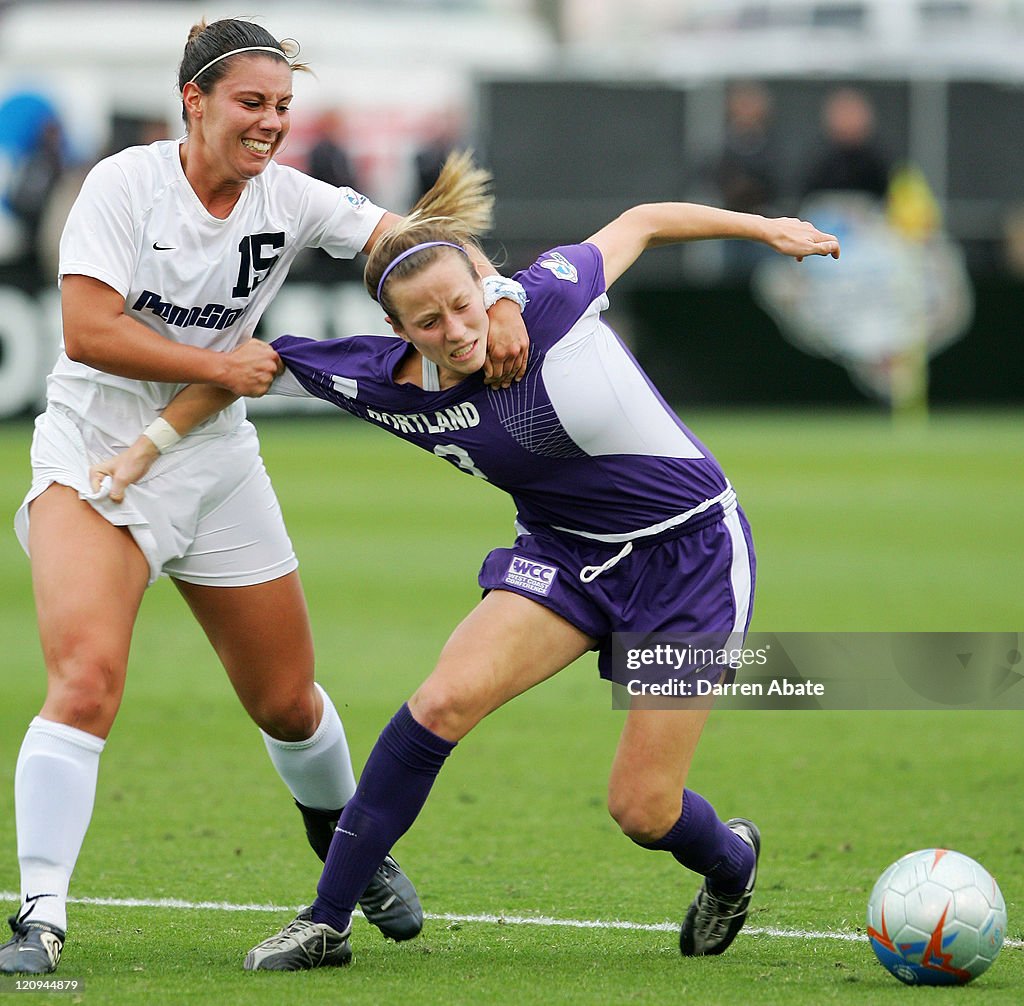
x,y
502,288
163,435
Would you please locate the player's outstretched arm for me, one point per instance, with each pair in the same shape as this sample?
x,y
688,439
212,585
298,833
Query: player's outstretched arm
x,y
622,241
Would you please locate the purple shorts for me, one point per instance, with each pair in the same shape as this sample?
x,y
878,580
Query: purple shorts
x,y
701,582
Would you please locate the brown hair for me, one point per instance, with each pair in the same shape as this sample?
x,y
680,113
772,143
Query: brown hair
x,y
457,208
208,41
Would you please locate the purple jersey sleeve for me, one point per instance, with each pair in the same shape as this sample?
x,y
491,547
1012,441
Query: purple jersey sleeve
x,y
560,286
335,369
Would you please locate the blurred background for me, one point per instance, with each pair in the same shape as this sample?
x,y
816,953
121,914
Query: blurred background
x,y
893,123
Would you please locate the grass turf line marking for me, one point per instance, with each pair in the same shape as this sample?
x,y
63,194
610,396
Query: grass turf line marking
x,y
505,920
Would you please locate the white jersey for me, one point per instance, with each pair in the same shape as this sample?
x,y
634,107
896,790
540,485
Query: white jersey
x,y
139,227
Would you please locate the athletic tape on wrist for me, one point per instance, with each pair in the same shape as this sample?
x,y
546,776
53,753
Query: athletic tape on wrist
x,y
163,435
502,288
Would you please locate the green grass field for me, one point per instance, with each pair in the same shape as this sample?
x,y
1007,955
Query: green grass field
x,y
858,527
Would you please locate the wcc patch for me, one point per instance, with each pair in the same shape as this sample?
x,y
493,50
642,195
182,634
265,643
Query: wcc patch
x,y
529,575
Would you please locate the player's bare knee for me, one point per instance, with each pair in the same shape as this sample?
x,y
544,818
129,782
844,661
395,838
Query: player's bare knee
x,y
288,723
84,693
443,711
287,716
640,819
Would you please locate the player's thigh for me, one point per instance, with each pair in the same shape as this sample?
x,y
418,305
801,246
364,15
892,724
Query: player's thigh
x,y
88,577
503,647
652,762
262,636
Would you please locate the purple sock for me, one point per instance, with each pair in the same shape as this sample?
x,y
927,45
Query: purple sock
x,y
702,843
392,789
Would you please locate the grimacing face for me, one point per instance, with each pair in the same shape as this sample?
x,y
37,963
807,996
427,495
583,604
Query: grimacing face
x,y
242,121
440,310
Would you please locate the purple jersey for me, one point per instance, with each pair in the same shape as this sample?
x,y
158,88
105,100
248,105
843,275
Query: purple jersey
x,y
584,444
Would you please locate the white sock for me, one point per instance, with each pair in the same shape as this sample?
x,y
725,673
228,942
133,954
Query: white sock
x,y
318,771
54,792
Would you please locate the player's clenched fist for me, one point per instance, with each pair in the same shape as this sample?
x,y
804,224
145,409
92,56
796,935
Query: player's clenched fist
x,y
250,369
123,469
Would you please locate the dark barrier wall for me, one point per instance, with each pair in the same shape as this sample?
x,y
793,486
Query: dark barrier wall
x,y
570,154
716,346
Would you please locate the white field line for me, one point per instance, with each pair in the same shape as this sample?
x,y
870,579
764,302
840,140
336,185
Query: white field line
x,y
505,920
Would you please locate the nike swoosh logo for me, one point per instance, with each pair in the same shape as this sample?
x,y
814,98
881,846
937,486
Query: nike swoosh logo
x,y
30,905
159,247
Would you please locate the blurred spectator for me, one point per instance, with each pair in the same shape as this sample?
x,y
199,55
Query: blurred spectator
x,y
448,133
329,161
328,158
851,160
746,174
33,157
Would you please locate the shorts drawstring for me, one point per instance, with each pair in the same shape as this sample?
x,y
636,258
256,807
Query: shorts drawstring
x,y
589,573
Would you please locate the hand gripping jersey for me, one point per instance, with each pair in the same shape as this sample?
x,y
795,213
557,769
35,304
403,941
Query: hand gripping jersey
x,y
139,227
584,444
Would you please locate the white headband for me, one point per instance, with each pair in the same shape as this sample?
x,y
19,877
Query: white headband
x,y
235,52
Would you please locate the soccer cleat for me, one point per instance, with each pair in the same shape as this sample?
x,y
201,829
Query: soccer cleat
x,y
714,918
34,949
390,901
391,904
302,944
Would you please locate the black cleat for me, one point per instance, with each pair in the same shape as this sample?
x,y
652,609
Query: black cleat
x,y
390,901
34,949
391,904
714,918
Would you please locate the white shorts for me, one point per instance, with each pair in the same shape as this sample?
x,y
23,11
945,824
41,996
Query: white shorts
x,y
205,514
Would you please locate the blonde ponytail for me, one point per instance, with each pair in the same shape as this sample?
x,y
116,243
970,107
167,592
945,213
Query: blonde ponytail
x,y
457,209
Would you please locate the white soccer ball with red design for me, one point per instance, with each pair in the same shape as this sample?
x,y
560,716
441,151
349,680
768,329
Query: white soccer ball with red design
x,y
936,917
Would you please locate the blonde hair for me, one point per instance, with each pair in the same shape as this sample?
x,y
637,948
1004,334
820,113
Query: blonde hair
x,y
457,209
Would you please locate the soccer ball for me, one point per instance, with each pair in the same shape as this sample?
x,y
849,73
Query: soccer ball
x,y
936,917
